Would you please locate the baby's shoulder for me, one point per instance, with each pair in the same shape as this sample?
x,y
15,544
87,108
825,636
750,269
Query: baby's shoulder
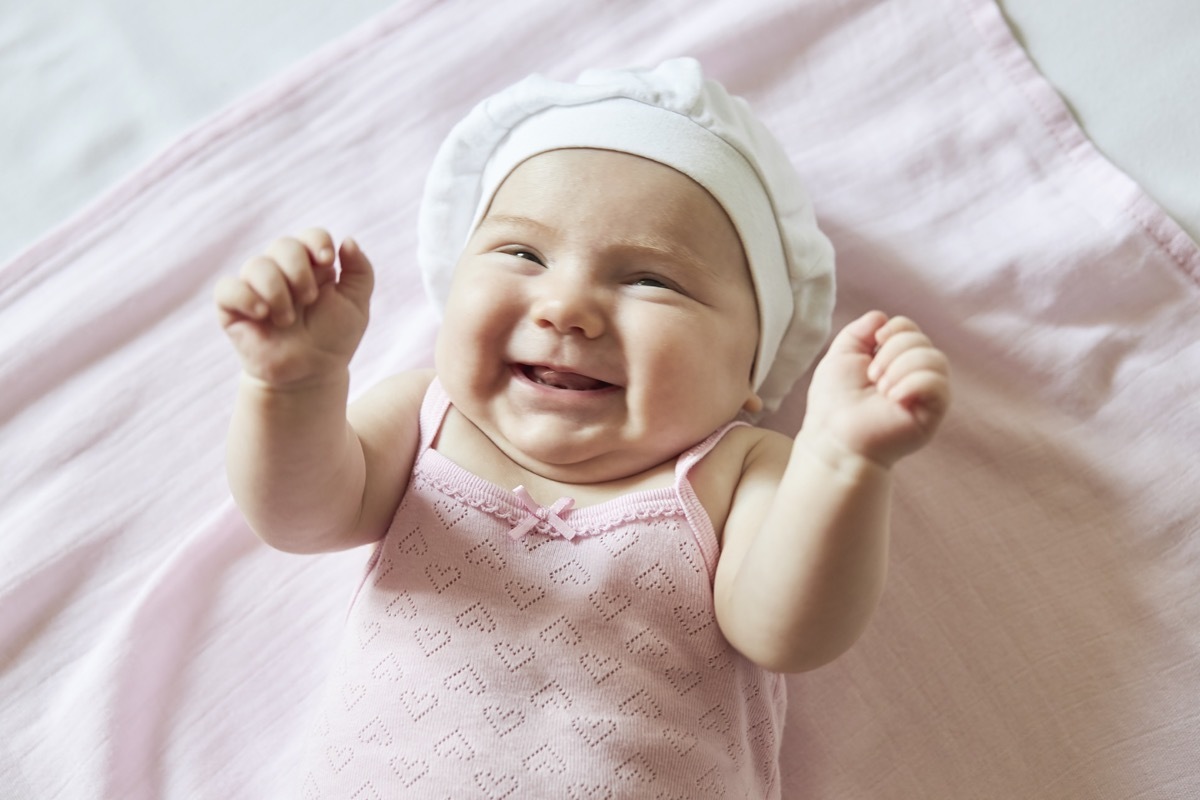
x,y
393,402
745,450
746,447
404,386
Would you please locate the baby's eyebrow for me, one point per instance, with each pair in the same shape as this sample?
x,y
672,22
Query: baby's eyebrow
x,y
514,221
663,250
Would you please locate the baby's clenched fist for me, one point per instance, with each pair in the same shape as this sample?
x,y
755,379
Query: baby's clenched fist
x,y
291,315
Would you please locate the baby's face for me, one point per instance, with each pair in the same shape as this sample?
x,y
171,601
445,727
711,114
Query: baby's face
x,y
601,319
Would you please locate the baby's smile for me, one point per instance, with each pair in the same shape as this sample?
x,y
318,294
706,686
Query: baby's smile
x,y
561,379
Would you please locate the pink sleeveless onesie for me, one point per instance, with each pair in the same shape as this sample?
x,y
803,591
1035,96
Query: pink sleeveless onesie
x,y
498,649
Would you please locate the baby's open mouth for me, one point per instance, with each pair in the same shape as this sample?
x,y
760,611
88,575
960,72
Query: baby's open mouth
x,y
571,381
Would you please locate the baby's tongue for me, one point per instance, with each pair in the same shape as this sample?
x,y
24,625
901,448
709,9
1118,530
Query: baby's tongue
x,y
565,380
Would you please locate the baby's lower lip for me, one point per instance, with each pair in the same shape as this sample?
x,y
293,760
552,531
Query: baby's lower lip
x,y
562,379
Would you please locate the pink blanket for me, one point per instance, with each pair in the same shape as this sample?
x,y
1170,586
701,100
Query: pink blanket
x,y
1038,638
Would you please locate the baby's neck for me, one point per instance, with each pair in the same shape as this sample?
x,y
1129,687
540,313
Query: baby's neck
x,y
463,443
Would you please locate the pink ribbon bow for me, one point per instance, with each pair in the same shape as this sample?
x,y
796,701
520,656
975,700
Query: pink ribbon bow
x,y
539,514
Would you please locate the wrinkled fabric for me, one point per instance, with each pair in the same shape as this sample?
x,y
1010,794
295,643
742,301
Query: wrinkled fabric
x,y
1037,637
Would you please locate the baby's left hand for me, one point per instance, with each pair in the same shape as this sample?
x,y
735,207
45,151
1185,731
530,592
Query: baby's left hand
x,y
881,391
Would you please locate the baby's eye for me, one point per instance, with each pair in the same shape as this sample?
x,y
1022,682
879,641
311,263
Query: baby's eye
x,y
653,283
528,255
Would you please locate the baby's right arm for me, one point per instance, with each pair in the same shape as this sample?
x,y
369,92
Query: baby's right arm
x,y
307,475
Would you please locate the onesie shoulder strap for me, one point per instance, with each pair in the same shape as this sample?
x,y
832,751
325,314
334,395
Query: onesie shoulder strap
x,y
702,528
693,456
434,408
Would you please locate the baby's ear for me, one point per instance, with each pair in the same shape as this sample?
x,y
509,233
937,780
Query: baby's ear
x,y
753,404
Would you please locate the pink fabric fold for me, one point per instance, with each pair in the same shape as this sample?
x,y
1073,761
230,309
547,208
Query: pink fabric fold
x,y
1038,634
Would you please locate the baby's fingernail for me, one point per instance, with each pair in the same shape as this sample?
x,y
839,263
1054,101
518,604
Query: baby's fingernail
x,y
326,255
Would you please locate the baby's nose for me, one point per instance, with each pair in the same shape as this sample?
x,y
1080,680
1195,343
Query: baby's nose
x,y
570,305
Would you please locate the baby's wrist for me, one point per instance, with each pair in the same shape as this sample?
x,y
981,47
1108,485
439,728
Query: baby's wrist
x,y
836,455
320,383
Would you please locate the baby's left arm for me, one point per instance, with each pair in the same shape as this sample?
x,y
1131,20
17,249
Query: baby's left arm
x,y
804,549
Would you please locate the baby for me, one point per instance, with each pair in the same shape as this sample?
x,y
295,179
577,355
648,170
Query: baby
x,y
589,570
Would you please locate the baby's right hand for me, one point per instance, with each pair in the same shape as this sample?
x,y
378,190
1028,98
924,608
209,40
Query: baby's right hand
x,y
291,317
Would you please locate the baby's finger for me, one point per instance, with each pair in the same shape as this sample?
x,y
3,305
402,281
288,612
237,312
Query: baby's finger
x,y
296,262
895,325
236,300
908,362
357,280
319,243
266,278
925,393
892,346
322,253
859,336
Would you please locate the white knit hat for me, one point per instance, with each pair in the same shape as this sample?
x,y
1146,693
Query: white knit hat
x,y
672,115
